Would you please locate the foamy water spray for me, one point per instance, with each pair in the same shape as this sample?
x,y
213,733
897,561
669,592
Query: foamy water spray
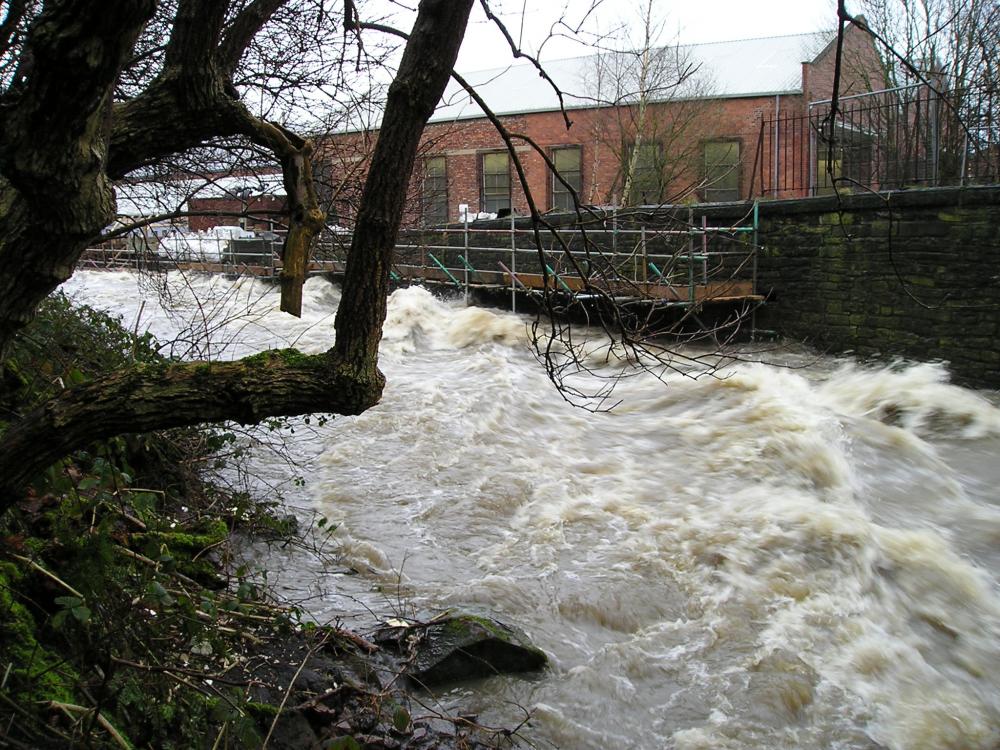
x,y
775,558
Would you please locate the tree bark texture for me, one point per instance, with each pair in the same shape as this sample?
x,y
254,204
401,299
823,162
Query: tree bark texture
x,y
142,398
423,73
344,380
55,195
62,141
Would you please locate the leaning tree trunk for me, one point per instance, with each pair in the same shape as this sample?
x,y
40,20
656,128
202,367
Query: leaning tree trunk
x,y
427,63
55,195
344,380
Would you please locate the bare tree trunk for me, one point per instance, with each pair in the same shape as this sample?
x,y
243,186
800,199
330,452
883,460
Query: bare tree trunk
x,y
345,379
427,63
55,195
640,125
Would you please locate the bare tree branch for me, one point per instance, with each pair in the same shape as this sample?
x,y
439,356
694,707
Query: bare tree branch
x,y
517,52
242,30
197,27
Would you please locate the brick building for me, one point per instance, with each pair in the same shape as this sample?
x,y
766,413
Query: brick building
x,y
696,135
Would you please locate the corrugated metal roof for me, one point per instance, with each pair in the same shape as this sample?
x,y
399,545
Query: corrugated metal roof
x,y
745,67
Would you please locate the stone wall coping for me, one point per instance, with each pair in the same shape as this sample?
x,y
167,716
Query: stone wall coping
x,y
952,197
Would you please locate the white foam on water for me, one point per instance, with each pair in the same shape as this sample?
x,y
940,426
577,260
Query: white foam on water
x,y
916,397
767,557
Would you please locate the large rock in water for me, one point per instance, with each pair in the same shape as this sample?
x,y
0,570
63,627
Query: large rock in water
x,y
463,647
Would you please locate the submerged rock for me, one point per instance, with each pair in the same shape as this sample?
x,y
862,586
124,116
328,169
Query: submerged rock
x,y
461,647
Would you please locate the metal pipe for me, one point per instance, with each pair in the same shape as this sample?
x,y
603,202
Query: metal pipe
x,y
965,155
465,235
866,94
691,257
753,273
558,278
513,276
513,264
614,230
448,273
704,249
777,140
645,256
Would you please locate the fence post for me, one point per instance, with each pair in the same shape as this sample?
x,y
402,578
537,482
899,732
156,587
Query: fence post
x,y
965,155
811,188
465,236
758,155
753,277
777,141
691,231
704,249
513,265
614,231
423,259
933,111
645,256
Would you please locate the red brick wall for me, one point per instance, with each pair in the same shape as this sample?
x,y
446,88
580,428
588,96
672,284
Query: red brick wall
x,y
263,212
861,69
463,143
682,127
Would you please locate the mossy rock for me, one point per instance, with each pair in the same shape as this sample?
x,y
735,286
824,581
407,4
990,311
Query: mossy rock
x,y
464,647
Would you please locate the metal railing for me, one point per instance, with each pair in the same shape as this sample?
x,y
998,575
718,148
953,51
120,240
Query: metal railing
x,y
910,136
670,260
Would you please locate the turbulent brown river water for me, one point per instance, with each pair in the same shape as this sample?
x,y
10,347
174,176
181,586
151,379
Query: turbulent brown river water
x,y
778,558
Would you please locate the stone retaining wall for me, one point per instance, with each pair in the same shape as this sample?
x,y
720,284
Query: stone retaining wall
x,y
913,274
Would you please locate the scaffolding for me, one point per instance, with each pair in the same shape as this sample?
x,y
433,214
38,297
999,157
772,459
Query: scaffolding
x,y
661,258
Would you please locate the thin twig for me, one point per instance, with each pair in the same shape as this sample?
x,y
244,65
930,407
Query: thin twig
x,y
182,670
288,691
105,724
52,576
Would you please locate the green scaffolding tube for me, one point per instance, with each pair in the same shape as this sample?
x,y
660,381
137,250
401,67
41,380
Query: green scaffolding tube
x,y
658,272
468,266
558,278
440,265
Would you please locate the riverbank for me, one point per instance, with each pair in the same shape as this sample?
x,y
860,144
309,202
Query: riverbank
x,y
127,619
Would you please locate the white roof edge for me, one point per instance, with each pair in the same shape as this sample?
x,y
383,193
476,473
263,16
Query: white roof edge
x,y
525,63
578,107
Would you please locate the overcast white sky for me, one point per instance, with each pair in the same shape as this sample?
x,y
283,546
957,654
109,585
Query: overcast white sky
x,y
686,21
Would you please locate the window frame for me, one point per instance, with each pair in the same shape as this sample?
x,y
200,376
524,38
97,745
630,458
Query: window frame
x,y
489,193
431,207
558,191
708,188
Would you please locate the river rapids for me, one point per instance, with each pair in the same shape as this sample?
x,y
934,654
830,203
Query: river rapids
x,y
793,556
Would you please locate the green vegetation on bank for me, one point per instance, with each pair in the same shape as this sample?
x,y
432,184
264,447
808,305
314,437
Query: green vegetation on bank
x,y
125,622
116,601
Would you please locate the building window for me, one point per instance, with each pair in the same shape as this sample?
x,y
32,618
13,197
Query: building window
x,y
567,164
434,194
646,187
496,182
722,171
